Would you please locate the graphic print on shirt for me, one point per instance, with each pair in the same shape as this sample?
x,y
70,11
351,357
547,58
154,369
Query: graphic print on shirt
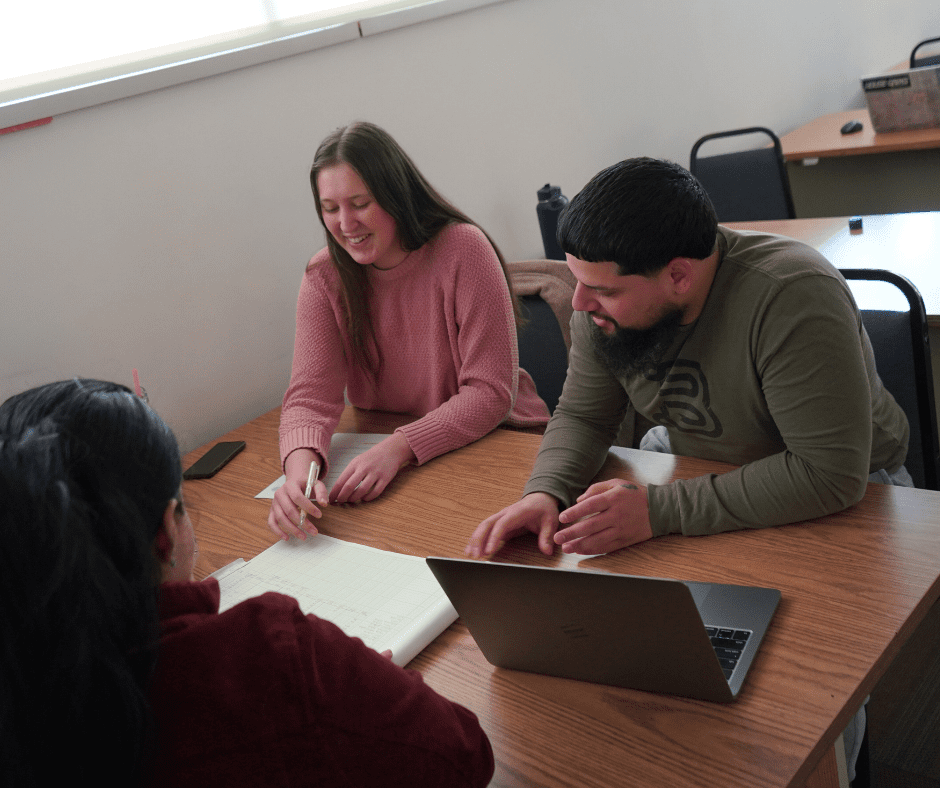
x,y
684,401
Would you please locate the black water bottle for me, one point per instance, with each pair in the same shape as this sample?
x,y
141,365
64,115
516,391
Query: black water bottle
x,y
551,201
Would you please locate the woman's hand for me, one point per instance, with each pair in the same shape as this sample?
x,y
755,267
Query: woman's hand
x,y
368,475
289,499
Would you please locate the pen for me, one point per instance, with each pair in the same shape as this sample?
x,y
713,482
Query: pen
x,y
311,478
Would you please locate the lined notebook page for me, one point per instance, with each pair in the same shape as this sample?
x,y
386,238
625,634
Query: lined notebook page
x,y
389,600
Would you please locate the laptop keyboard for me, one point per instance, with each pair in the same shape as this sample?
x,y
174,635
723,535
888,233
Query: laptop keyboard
x,y
728,645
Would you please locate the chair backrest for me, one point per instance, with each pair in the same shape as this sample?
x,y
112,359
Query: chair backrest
x,y
926,60
542,351
902,355
545,288
748,185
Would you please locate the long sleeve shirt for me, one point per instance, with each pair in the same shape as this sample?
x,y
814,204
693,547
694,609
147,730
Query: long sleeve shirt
x,y
264,695
776,375
447,339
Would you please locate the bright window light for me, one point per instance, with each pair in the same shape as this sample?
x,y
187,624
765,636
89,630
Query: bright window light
x,y
49,48
31,43
85,33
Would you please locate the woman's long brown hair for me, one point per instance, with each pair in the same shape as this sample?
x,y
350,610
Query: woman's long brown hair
x,y
397,185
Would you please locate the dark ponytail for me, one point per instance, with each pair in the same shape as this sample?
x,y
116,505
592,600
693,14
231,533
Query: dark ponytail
x,y
86,472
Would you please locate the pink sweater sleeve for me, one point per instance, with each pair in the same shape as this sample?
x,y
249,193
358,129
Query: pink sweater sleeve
x,y
314,400
447,338
485,353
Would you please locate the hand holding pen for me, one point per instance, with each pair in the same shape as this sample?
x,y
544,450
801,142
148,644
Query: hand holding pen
x,y
312,476
292,509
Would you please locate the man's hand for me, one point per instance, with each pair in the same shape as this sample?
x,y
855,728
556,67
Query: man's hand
x,y
536,512
607,516
368,475
289,499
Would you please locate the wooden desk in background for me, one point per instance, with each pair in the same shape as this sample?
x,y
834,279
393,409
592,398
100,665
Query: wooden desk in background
x,y
855,586
822,138
905,243
861,173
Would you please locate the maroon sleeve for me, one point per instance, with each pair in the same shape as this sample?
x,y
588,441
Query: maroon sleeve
x,y
385,724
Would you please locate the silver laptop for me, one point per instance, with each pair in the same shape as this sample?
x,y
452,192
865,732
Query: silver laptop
x,y
692,639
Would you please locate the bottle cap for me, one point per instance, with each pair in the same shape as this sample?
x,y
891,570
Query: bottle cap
x,y
548,191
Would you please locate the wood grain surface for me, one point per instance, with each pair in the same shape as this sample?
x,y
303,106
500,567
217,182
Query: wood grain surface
x,y
823,137
854,586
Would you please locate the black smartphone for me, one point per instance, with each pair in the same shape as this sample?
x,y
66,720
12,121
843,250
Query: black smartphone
x,y
213,460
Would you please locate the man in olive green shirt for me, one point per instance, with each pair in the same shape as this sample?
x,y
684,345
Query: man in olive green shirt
x,y
747,348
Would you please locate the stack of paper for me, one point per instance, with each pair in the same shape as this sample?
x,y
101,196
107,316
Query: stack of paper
x,y
389,600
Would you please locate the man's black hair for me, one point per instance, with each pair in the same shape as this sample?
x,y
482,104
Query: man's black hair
x,y
640,214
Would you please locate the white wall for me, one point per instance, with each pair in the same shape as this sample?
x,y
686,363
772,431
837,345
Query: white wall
x,y
169,231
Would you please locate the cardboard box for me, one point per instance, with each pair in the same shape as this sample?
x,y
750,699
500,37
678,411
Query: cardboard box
x,y
904,100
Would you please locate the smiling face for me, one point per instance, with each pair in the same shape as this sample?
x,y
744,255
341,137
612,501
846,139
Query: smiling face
x,y
615,301
636,318
355,220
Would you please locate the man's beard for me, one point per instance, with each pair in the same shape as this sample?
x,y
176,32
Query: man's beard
x,y
629,352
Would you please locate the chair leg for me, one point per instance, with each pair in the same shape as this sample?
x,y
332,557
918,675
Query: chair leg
x,y
863,765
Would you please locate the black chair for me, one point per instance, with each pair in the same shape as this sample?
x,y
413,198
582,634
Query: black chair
x,y
902,355
747,185
542,350
925,60
545,289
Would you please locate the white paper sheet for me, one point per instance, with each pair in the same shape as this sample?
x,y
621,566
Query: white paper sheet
x,y
344,447
389,600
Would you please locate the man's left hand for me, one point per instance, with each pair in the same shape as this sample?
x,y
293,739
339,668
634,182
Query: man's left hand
x,y
607,516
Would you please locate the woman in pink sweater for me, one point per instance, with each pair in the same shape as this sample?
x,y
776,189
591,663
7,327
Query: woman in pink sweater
x,y
408,309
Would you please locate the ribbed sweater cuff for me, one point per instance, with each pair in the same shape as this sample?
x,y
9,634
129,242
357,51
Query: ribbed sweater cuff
x,y
426,439
306,438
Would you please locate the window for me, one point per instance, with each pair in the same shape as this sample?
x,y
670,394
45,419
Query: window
x,y
110,49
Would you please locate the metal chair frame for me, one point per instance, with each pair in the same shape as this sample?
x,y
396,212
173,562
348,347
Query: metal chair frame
x,y
923,421
930,60
694,168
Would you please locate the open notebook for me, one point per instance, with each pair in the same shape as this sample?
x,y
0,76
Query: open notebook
x,y
389,600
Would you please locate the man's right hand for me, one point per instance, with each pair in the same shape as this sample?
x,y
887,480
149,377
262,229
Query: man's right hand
x,y
289,499
537,512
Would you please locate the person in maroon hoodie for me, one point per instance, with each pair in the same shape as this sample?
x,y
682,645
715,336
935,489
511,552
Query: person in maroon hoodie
x,y
117,668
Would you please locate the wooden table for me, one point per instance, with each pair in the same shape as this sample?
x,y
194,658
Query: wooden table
x,y
863,173
856,584
905,243
814,232
822,138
